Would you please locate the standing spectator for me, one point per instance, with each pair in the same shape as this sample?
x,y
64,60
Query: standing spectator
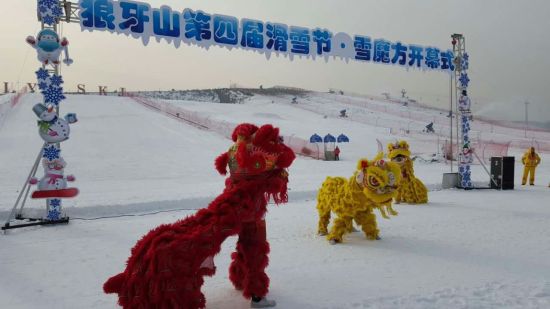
x,y
337,153
530,160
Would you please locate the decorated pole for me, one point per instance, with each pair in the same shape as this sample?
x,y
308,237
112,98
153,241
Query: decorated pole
x,y
462,81
53,185
52,129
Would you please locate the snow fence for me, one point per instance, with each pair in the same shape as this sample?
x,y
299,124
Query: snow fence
x,y
8,102
224,128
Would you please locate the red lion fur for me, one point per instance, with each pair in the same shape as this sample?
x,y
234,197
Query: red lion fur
x,y
166,267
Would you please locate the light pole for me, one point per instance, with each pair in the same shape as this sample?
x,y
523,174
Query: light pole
x,y
526,117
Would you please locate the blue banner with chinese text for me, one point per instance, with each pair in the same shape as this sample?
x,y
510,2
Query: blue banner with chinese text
x,y
141,21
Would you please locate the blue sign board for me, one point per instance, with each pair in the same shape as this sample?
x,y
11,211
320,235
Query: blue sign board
x,y
140,20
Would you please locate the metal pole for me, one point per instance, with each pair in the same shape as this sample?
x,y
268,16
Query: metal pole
x,y
459,141
526,117
451,116
31,174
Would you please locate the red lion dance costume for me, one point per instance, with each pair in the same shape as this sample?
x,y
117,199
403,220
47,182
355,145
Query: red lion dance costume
x,y
167,266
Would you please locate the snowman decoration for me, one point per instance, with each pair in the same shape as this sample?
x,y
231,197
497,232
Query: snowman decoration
x,y
54,184
49,47
467,154
464,103
53,129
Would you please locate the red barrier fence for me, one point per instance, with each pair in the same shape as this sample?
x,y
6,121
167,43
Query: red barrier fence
x,y
8,102
300,146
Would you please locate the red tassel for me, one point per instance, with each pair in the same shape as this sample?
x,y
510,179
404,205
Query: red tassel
x,y
242,155
286,157
221,163
264,134
245,129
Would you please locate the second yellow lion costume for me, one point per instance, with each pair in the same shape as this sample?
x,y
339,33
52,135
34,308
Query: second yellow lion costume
x,y
411,189
373,185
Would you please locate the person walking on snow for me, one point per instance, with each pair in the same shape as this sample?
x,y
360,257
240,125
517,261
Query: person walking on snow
x,y
530,161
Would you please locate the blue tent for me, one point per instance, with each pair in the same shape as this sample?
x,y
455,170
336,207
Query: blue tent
x,y
315,139
329,139
343,139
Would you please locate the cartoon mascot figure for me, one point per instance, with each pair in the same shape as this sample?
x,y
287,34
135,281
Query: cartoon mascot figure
x,y
411,189
167,266
49,47
373,185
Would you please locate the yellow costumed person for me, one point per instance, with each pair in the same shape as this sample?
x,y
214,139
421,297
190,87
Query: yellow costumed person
x,y
373,185
530,161
411,189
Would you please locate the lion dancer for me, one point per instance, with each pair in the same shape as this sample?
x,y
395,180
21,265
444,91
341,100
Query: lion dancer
x,y
167,266
372,186
530,161
411,190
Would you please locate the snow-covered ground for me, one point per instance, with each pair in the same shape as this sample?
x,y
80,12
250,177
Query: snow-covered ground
x,y
465,249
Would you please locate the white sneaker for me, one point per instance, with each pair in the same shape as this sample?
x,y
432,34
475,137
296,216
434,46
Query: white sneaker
x,y
263,303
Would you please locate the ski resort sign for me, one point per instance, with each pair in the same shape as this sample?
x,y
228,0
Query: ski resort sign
x,y
139,20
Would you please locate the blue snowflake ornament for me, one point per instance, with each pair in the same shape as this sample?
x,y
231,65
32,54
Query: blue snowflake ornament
x,y
56,80
465,61
48,19
53,214
42,74
464,80
57,11
53,95
51,152
48,3
50,11
55,203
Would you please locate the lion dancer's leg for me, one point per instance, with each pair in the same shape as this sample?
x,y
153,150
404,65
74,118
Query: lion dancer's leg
x,y
247,271
398,196
367,219
324,218
339,228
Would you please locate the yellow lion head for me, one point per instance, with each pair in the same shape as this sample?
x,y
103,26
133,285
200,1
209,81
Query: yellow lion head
x,y
379,179
400,148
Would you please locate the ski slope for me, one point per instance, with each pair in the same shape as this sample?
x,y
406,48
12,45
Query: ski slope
x,y
465,249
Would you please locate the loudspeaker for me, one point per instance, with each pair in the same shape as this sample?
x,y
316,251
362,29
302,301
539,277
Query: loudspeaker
x,y
502,172
508,164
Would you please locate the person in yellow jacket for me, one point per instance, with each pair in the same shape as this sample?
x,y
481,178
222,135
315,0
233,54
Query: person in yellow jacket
x,y
411,189
530,161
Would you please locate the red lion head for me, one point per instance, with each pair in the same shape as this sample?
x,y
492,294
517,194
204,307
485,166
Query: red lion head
x,y
258,153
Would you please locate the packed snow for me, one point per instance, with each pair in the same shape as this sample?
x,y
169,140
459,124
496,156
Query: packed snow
x,y
140,169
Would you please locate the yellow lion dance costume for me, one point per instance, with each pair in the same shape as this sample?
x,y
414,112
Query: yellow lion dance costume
x,y
373,185
411,189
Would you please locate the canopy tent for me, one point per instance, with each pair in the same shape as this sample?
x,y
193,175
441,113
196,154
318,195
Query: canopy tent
x,y
342,139
329,139
315,139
